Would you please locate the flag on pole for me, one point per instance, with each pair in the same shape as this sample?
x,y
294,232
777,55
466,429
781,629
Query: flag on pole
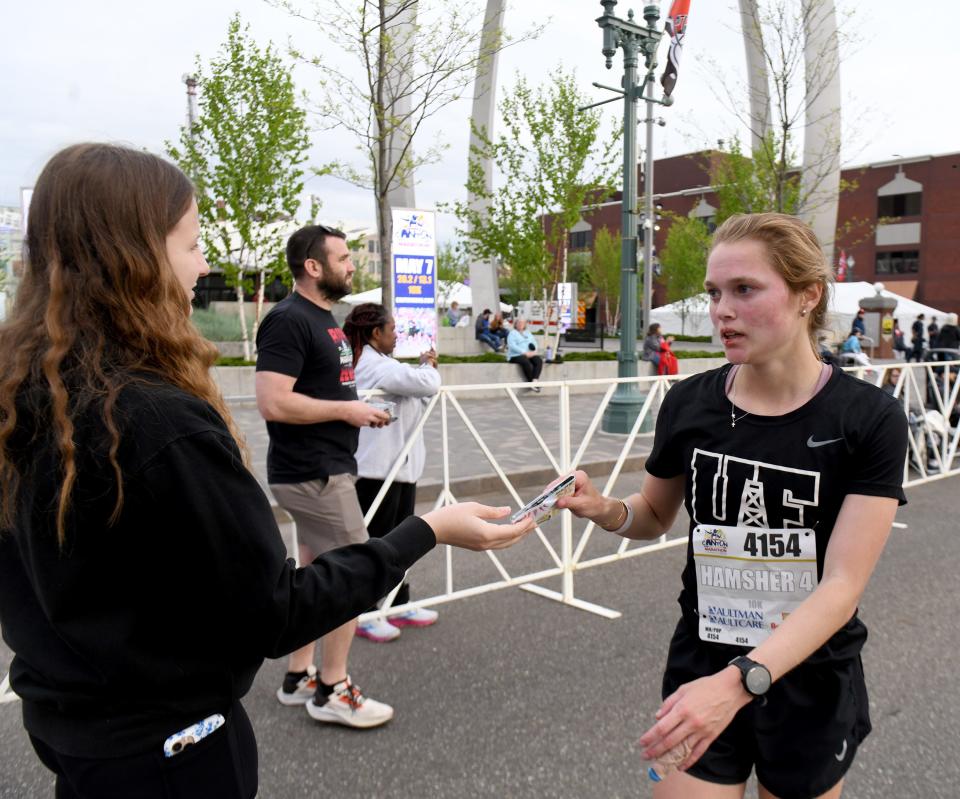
x,y
842,267
675,26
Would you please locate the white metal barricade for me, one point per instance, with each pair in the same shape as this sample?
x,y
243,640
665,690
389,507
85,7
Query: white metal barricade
x,y
932,450
568,560
931,455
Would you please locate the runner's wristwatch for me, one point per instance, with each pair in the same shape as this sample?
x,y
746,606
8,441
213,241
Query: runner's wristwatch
x,y
755,676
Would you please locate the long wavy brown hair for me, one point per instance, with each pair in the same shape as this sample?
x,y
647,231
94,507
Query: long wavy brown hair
x,y
98,304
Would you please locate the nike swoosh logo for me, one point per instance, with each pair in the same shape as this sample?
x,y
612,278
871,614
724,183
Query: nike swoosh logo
x,y
811,443
843,752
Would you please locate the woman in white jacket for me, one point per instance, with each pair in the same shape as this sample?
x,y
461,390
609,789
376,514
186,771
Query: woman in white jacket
x,y
372,334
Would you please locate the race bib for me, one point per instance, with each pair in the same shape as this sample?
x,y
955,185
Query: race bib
x,y
749,579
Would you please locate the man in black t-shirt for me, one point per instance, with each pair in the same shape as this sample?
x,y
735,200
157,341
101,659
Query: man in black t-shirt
x,y
307,394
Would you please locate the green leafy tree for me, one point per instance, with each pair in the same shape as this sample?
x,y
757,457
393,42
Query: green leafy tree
x,y
363,278
244,154
603,274
767,181
364,281
578,263
452,268
553,162
684,261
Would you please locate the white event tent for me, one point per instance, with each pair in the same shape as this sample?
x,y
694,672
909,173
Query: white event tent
x,y
844,302
447,292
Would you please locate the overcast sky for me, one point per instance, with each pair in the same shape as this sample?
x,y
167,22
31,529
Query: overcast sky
x,y
105,70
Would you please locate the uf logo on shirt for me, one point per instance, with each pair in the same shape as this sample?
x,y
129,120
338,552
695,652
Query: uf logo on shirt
x,y
740,492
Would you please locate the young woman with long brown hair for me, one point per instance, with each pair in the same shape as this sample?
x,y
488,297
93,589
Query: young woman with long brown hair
x,y
791,473
142,575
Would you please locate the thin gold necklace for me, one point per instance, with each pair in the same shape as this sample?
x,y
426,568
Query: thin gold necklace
x,y
733,397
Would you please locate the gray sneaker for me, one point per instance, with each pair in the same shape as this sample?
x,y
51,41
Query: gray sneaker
x,y
348,706
300,692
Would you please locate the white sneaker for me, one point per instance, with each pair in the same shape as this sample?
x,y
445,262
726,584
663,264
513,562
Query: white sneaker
x,y
348,706
377,630
300,693
418,617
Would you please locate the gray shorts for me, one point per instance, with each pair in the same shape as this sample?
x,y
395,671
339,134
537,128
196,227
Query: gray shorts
x,y
326,512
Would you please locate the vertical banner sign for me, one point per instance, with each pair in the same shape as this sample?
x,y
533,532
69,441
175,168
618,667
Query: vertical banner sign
x,y
567,299
414,281
842,267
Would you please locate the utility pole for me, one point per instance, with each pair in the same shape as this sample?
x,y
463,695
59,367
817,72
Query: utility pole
x,y
635,40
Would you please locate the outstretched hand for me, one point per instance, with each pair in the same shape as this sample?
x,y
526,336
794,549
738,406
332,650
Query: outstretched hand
x,y
468,525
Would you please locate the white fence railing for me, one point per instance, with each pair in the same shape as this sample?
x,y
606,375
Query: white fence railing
x,y
927,391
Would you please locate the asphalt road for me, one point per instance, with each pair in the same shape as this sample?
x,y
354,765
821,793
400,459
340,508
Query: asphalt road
x,y
512,695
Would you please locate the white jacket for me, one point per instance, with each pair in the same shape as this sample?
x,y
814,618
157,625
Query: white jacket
x,y
407,386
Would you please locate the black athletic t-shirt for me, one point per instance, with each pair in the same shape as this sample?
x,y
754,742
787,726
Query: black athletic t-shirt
x,y
790,471
300,339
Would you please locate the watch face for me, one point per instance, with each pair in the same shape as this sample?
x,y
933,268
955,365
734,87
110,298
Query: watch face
x,y
757,680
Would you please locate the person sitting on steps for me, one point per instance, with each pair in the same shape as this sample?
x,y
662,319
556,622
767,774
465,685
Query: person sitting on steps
x,y
522,350
482,331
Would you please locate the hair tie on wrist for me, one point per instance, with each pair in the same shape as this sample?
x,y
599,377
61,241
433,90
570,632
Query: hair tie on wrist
x,y
627,522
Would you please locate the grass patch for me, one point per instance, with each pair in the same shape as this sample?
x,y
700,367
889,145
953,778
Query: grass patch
x,y
697,354
233,361
487,357
698,339
589,355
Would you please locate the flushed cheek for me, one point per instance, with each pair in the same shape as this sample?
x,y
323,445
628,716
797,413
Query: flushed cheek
x,y
768,314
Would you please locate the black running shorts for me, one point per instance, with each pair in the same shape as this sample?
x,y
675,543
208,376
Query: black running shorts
x,y
801,742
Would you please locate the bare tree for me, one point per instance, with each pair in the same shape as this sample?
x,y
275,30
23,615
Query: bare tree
x,y
399,63
793,59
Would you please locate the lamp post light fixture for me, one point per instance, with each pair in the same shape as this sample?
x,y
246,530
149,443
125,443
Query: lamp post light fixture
x,y
636,41
850,264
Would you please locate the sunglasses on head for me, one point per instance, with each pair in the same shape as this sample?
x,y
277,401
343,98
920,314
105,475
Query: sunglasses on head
x,y
322,231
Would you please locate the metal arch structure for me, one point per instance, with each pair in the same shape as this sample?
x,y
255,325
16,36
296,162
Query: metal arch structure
x,y
821,162
484,282
820,175
401,195
483,274
820,178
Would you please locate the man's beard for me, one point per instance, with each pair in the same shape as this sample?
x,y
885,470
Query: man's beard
x,y
331,286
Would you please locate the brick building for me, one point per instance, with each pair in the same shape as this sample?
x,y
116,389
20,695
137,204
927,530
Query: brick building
x,y
900,221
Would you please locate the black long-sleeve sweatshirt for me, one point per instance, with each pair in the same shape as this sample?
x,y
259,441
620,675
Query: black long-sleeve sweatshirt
x,y
133,630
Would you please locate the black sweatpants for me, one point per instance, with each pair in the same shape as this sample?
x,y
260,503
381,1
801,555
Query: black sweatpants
x,y
224,764
531,367
398,503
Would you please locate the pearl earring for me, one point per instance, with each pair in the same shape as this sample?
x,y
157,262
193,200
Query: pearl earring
x,y
803,312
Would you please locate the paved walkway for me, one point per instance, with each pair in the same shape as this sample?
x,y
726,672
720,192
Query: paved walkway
x,y
503,430
511,695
